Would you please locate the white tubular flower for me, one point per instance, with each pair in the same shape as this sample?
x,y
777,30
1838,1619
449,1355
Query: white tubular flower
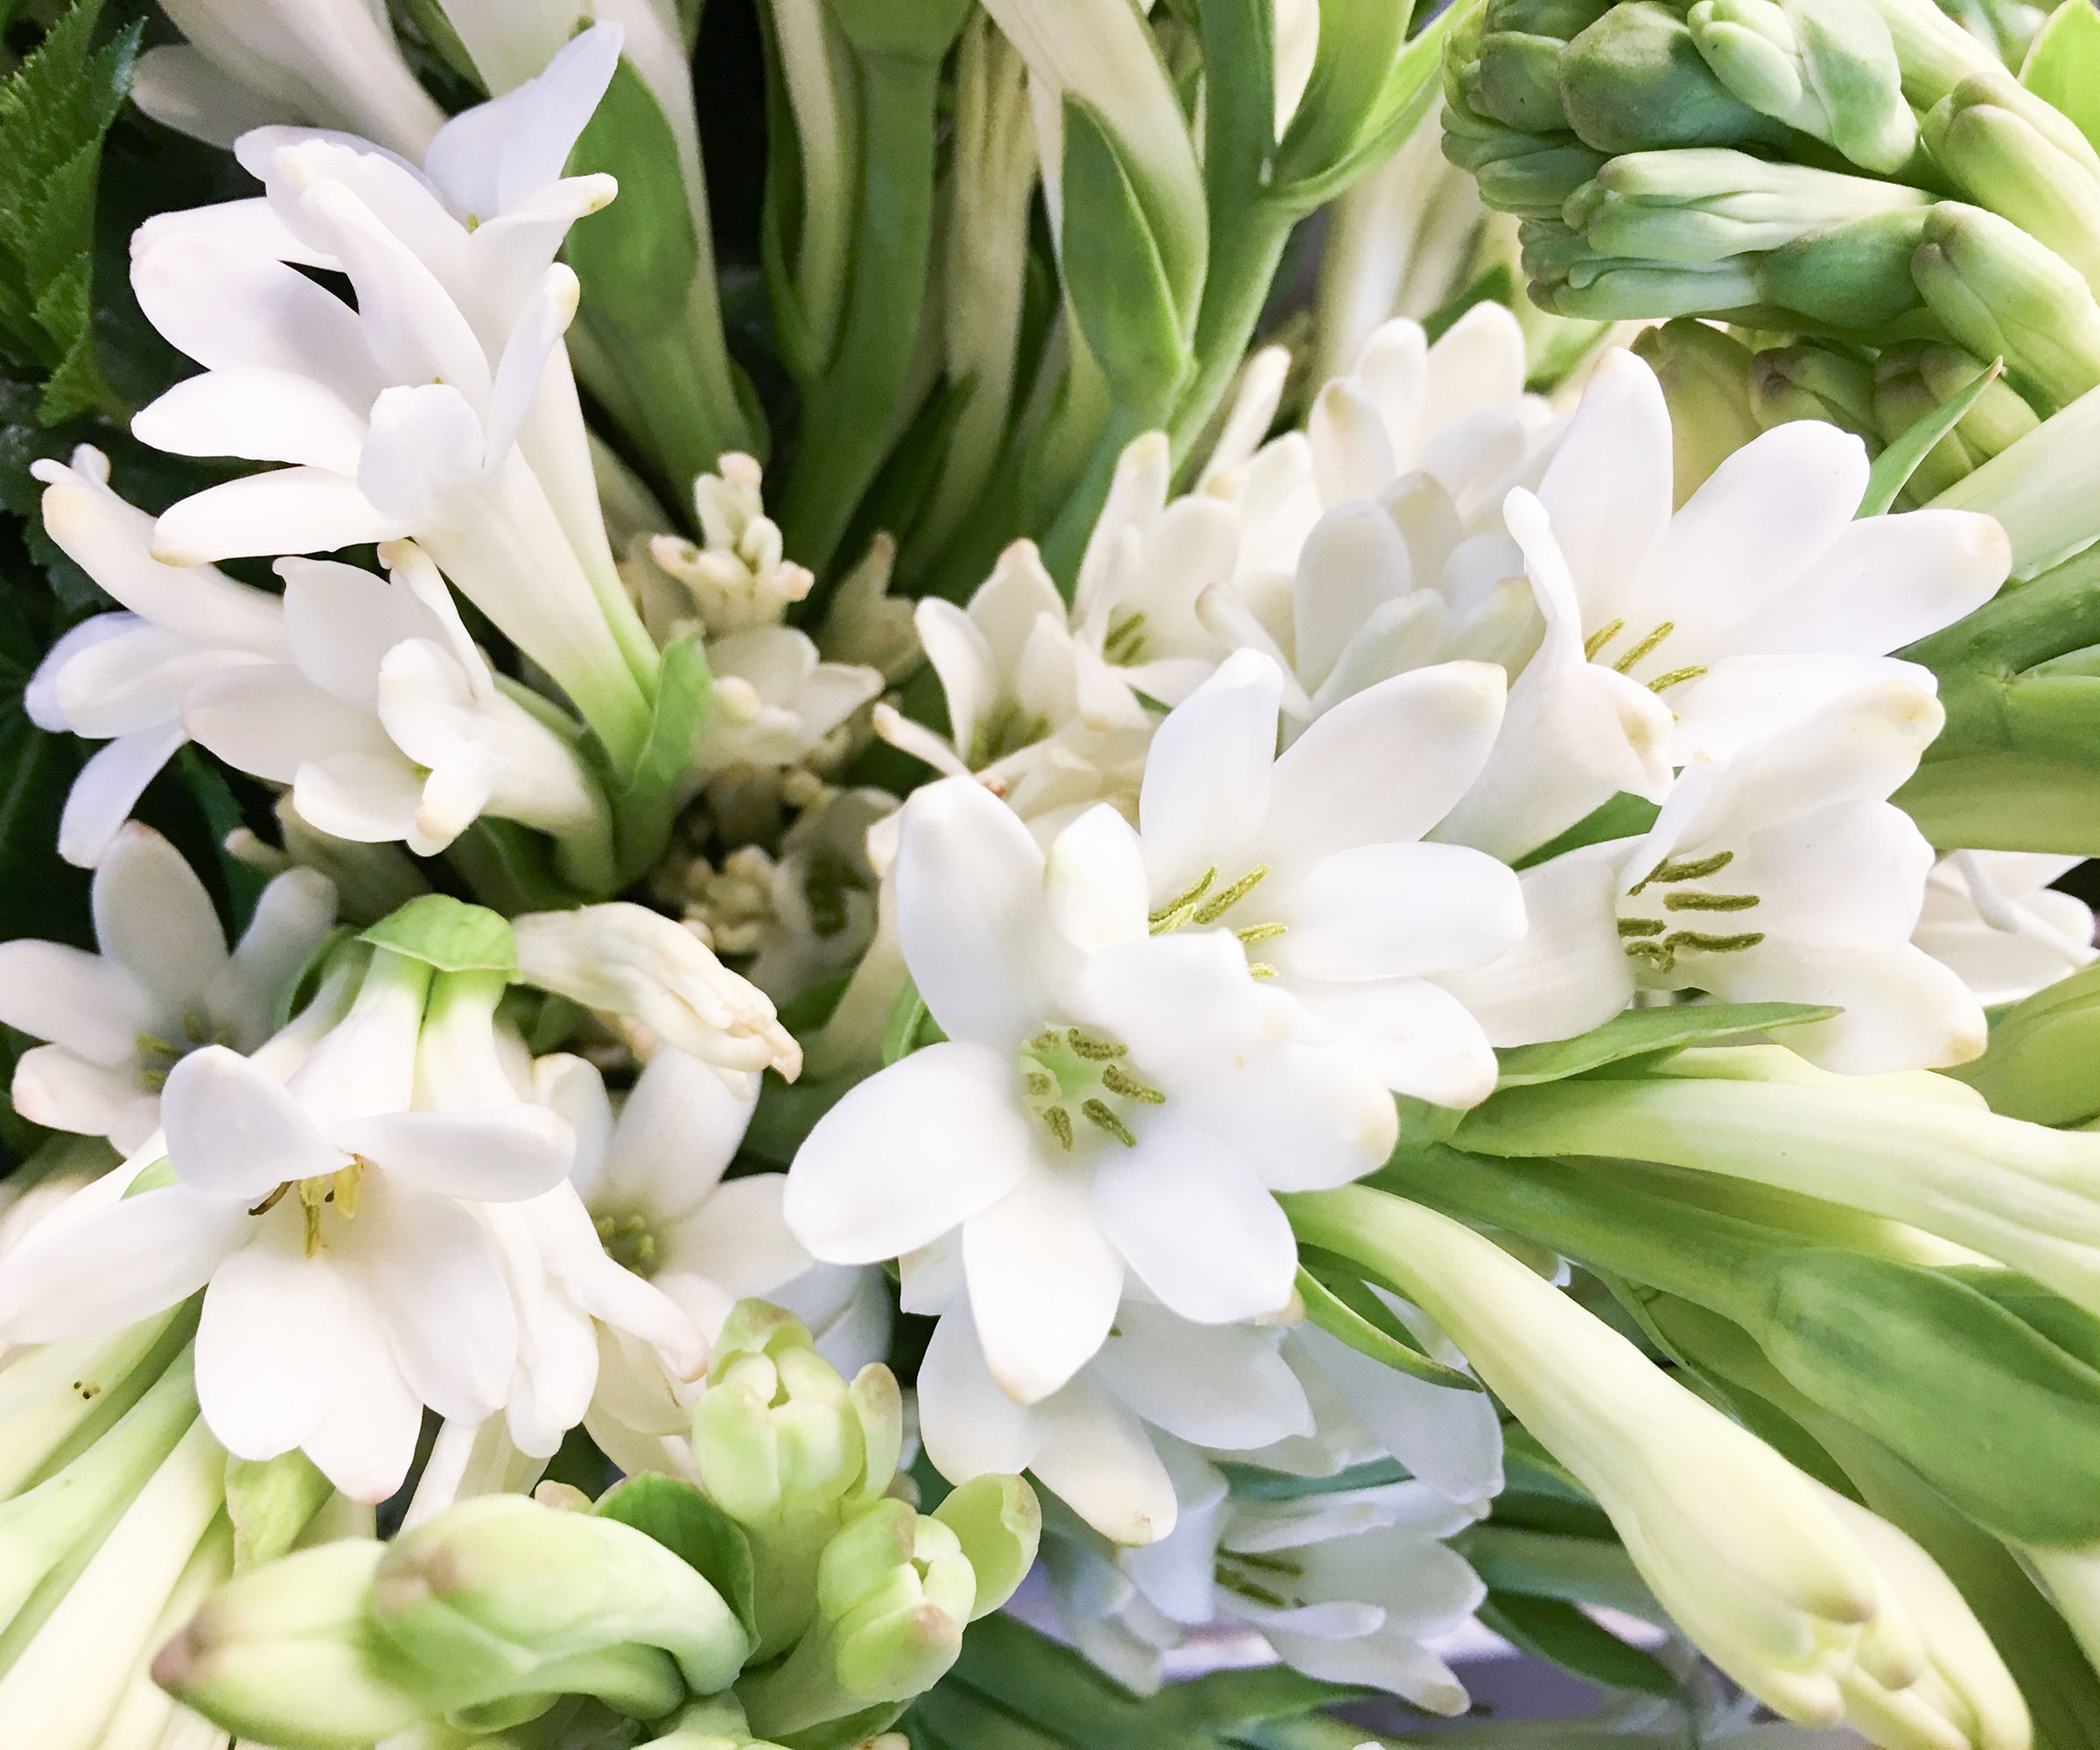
x,y
775,701
122,677
162,986
1108,1441
739,578
1107,1101
1783,873
822,893
1825,1618
627,960
440,406
1993,917
1765,560
325,63
349,1282
1312,861
389,724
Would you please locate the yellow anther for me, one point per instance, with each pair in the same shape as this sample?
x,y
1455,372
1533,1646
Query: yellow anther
x,y
1215,907
1645,647
1097,1113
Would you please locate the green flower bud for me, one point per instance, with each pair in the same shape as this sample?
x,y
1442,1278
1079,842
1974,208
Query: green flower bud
x,y
1811,381
2003,294
287,1653
1635,80
1985,135
1515,67
716,1723
1705,378
500,1598
1699,205
1855,276
786,1448
1000,1522
1825,66
1570,278
1530,175
2040,1066
1917,379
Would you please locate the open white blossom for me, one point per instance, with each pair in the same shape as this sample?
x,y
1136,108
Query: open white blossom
x,y
1107,1103
162,986
1995,918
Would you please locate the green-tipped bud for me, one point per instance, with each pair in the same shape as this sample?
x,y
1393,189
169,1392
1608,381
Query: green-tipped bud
x,y
717,1723
1828,68
1570,278
1635,80
1809,381
786,1448
1527,174
1705,203
1856,276
1513,70
1000,1522
500,1598
2040,1066
1915,380
2003,294
1705,378
287,1653
1985,135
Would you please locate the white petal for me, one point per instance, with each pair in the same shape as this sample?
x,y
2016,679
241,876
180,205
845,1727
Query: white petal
x,y
366,798
970,1427
500,1156
153,917
340,620
1217,1385
427,445
1096,1457
293,915
266,415
236,1134
1477,364
1207,775
179,87
970,914
289,510
969,679
366,1441
1391,910
1408,1033
1094,881
1608,490
63,1092
270,720
679,1128
1044,1282
1305,1117
908,1154
737,1238
495,154
93,1007
1386,765
266,1348
1353,563
1568,973
1184,1003
1196,1225
1352,450
117,1265
109,784
1902,1009
1450,1440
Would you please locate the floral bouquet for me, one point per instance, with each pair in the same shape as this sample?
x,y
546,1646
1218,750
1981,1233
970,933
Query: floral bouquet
x,y
897,875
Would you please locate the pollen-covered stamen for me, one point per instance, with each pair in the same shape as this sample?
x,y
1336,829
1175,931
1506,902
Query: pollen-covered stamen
x,y
1646,647
1176,912
1215,907
1265,1576
1594,645
1653,942
1124,643
157,1056
1068,1073
1006,730
630,1241
338,1190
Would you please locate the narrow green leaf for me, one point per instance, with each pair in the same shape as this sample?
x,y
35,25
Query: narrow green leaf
x,y
1625,817
637,256
692,1527
1894,466
911,1025
1639,1031
449,934
2063,65
645,806
1557,1630
1114,274
1334,1316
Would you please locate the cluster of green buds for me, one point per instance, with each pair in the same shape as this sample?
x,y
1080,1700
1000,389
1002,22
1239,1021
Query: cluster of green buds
x,y
1866,168
795,1600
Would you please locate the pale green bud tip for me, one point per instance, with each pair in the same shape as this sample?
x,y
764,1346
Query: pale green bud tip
x,y
897,1589
1635,80
2002,294
1828,68
998,1522
1808,381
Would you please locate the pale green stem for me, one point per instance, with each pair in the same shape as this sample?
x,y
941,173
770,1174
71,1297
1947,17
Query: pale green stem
x,y
49,1392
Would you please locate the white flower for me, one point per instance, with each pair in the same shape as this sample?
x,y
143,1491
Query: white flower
x,y
122,677
327,63
628,960
1348,1585
1994,918
775,701
739,578
1783,873
822,895
349,1281
440,406
1106,1102
162,986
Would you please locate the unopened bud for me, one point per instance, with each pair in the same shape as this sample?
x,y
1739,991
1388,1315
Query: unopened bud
x,y
1825,66
1518,172
1915,380
1514,74
999,1523
1811,381
1705,379
1984,134
2003,294
1634,81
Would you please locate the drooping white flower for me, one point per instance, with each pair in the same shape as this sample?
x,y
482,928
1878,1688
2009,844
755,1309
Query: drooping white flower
x,y
1313,861
1107,1103
1994,917
122,678
162,986
348,1282
440,406
326,63
1781,872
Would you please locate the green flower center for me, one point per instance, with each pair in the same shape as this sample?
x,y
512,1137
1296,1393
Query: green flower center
x,y
1070,1077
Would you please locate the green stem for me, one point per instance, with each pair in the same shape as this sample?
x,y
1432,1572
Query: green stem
x,y
850,415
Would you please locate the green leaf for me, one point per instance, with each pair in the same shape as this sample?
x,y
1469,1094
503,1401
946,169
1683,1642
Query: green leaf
x,y
1894,466
207,785
645,805
2063,65
1637,1033
270,1501
156,1177
449,934
1558,1631
911,1025
1625,817
690,1526
637,256
1360,45
1114,274
1337,1318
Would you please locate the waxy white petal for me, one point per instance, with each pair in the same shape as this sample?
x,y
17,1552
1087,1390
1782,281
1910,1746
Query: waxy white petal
x,y
1207,776
110,784
1216,1385
268,1345
1044,1282
500,1156
290,510
93,1007
118,1265
235,1133
264,415
1390,910
154,919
